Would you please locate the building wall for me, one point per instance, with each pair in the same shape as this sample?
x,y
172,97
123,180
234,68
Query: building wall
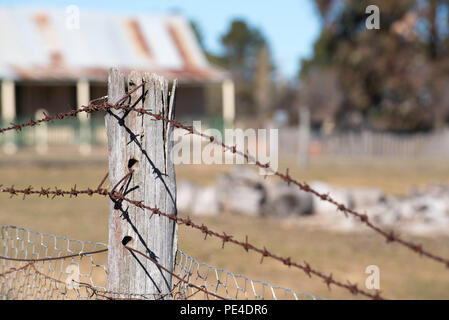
x,y
193,102
53,98
190,102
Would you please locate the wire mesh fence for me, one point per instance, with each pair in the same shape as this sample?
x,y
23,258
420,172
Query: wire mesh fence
x,y
228,284
35,265
48,279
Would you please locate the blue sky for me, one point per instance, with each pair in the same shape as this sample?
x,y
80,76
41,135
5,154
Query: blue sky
x,y
291,26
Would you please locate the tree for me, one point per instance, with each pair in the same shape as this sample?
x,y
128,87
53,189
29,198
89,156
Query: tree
x,y
248,57
246,54
212,58
321,91
262,81
241,44
392,77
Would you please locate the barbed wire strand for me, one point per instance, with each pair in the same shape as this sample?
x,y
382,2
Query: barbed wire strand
x,y
390,236
14,269
91,107
81,254
118,198
46,192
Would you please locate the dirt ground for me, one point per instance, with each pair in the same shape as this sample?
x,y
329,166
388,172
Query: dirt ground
x,y
403,274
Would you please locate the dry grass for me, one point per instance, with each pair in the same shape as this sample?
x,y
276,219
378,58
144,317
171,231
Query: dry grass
x,y
394,176
403,274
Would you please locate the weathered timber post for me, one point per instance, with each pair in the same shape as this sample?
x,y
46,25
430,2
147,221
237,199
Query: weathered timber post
x,y
143,145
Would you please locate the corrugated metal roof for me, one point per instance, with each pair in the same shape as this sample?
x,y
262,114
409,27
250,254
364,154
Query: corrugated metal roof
x,y
38,45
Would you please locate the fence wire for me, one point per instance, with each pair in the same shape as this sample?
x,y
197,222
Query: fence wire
x,y
227,284
54,276
48,279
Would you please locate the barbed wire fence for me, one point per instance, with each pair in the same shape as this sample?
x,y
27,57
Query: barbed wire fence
x,y
32,271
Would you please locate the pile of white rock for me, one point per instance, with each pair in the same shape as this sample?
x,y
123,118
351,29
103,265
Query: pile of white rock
x,y
245,192
421,211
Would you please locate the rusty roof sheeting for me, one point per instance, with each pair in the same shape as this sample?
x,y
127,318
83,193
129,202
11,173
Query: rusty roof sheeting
x,y
37,45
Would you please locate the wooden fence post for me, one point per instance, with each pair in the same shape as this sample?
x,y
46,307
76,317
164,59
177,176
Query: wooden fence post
x,y
304,136
144,145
